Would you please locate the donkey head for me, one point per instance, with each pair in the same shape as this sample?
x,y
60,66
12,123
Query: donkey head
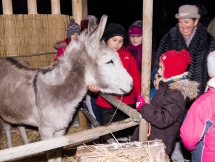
x,y
103,67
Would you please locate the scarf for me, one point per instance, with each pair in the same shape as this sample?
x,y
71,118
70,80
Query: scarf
x,y
189,39
138,51
176,78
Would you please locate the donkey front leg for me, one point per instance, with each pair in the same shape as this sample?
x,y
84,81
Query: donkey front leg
x,y
55,154
23,134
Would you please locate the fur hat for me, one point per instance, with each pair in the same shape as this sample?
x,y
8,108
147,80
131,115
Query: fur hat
x,y
113,30
72,28
84,22
187,11
135,29
211,64
175,62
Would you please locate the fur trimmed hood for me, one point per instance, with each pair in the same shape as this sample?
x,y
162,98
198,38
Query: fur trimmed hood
x,y
187,88
61,43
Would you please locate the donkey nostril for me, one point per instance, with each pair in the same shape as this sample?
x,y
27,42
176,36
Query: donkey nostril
x,y
131,85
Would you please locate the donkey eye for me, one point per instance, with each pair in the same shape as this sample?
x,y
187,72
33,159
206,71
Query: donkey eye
x,y
109,62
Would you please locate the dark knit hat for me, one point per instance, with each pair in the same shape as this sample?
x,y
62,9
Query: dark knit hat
x,y
135,29
72,28
175,62
114,30
84,22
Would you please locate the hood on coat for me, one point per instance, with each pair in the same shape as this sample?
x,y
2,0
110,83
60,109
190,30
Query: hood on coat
x,y
60,44
188,88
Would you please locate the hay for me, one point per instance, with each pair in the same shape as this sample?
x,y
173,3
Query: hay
x,y
150,151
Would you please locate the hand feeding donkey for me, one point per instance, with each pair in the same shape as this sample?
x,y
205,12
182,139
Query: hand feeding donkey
x,y
47,97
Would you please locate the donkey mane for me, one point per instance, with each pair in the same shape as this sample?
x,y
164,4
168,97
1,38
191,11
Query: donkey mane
x,y
19,65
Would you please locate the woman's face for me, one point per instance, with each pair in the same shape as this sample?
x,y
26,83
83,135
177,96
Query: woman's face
x,y
186,26
115,43
136,40
75,36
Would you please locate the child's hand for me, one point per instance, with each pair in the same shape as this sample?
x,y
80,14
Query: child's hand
x,y
93,88
140,102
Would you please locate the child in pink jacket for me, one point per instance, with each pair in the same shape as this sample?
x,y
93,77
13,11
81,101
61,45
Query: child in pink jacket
x,y
198,130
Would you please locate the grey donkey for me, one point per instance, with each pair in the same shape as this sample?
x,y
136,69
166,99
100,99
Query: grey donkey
x,y
47,97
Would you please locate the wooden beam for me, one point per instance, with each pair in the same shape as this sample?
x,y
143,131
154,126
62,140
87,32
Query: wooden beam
x,y
7,7
37,147
84,8
29,55
132,113
146,61
55,6
79,9
32,6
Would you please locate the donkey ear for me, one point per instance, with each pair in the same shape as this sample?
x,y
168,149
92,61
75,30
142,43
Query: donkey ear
x,y
92,24
100,29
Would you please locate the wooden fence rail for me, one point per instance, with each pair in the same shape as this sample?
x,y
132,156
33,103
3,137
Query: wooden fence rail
x,y
28,55
37,147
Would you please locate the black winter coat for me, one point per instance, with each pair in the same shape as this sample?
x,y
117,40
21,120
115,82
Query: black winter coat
x,y
166,111
201,45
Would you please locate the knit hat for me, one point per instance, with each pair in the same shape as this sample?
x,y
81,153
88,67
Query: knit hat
x,y
135,29
113,30
175,62
187,11
72,28
211,64
84,22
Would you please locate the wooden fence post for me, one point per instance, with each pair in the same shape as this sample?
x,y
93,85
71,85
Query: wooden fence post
x,y
146,61
32,6
79,9
55,6
7,7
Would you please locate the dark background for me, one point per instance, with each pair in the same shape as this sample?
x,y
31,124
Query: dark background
x,y
124,12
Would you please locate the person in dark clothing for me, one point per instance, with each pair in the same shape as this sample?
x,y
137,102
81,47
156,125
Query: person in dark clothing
x,y
189,34
166,111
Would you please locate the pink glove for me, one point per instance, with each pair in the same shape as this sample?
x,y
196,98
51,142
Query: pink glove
x,y
140,102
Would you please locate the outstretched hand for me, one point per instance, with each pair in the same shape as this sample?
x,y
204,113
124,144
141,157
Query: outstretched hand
x,y
93,88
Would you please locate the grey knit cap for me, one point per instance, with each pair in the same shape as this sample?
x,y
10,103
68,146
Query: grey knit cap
x,y
72,28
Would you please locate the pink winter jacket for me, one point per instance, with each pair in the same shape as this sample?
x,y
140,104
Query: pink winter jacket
x,y
198,130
